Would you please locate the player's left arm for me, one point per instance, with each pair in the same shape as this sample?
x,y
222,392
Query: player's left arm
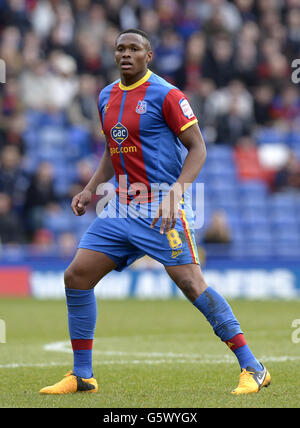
x,y
192,139
182,121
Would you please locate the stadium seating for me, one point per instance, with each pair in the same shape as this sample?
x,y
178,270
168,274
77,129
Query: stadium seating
x,y
263,224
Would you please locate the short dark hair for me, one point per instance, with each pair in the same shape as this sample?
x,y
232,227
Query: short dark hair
x,y
135,31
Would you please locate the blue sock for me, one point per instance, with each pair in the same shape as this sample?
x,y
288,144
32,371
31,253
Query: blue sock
x,y
218,313
225,325
82,316
246,358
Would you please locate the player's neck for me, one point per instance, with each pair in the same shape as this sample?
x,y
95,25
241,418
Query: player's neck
x,y
131,80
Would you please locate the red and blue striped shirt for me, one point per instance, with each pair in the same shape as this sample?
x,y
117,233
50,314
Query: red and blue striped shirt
x,y
142,123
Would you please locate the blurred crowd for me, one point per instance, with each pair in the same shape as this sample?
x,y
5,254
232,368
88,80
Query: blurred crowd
x,y
231,58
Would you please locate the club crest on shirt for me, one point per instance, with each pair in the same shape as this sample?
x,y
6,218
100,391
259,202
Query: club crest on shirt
x,y
141,107
119,133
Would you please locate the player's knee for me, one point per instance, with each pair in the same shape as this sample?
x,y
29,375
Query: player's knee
x,y
68,276
72,277
192,288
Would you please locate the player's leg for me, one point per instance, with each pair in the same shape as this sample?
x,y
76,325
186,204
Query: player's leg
x,y
189,279
218,313
86,270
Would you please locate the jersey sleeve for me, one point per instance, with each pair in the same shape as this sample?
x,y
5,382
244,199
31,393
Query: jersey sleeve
x,y
100,110
177,111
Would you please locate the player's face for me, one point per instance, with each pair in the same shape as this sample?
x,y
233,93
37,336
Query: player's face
x,y
132,55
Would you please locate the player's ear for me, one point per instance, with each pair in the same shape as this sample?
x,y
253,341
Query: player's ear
x,y
149,56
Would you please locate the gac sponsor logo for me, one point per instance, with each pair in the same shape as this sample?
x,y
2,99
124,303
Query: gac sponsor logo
x,y
119,133
126,149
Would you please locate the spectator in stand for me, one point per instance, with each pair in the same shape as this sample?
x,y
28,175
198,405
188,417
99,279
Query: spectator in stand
x,y
32,47
84,171
247,159
108,70
10,50
218,62
279,71
170,52
268,48
34,82
272,65
61,35
232,125
245,63
149,21
63,82
15,14
288,177
199,102
169,55
89,59
189,74
188,24
92,19
222,12
250,33
246,10
218,232
113,12
13,180
39,195
169,11
83,110
11,231
42,242
67,244
293,32
11,102
81,9
286,105
10,108
232,110
263,97
15,126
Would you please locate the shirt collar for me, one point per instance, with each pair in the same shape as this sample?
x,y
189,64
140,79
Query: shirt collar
x,y
136,84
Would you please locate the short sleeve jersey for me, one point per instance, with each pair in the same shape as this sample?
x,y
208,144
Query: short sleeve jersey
x,y
142,123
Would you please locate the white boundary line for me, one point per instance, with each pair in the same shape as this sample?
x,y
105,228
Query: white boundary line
x,y
280,359
65,347
152,358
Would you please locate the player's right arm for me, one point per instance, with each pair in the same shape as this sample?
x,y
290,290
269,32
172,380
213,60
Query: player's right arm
x,y
103,174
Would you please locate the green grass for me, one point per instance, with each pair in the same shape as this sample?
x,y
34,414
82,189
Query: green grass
x,y
147,354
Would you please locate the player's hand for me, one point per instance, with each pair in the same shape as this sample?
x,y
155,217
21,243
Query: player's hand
x,y
168,211
80,202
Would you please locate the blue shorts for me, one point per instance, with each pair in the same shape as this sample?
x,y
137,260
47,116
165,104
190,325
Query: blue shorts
x,y
125,239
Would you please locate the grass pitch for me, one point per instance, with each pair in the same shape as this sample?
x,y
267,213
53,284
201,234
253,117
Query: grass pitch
x,y
147,354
